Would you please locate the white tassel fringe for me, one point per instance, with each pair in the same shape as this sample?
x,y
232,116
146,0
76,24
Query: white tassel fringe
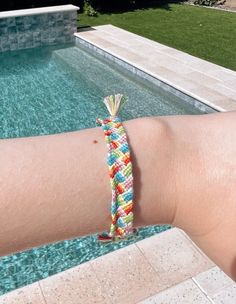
x,y
113,103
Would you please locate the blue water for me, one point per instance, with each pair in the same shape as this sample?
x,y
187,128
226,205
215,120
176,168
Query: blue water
x,y
53,90
60,89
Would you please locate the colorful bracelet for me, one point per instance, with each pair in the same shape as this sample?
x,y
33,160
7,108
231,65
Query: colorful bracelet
x,y
120,172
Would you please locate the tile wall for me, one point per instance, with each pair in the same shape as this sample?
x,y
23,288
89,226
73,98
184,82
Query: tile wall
x,y
37,30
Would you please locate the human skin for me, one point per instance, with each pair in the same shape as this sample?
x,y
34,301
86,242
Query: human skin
x,y
57,187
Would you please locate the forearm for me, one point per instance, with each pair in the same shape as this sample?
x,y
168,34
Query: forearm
x,y
57,187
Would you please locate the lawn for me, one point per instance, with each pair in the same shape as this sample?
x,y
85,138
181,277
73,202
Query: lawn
x,y
205,33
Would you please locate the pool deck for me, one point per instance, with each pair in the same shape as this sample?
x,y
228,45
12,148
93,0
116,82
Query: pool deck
x,y
205,81
166,268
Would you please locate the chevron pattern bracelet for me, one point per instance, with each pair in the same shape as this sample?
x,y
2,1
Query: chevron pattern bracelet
x,y
120,172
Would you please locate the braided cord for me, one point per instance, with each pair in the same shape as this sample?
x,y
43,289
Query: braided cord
x,y
121,179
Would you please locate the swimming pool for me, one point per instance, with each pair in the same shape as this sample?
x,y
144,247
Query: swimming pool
x,y
59,89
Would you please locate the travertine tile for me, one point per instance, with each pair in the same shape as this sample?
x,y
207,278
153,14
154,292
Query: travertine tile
x,y
30,294
207,93
126,275
174,78
231,83
202,78
109,37
195,245
150,43
213,281
183,293
151,54
180,68
127,54
226,296
157,58
221,73
181,56
102,42
128,36
196,77
173,256
142,45
168,76
222,89
226,103
198,64
73,286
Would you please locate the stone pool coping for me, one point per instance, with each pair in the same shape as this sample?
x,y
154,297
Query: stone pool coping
x,y
38,11
166,268
213,85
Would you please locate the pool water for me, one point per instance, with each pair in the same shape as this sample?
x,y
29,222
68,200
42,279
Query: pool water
x,y
60,89
53,90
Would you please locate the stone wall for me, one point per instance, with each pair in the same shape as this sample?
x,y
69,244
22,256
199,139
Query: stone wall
x,y
37,27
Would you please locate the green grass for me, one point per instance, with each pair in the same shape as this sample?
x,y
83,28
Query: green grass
x,y
205,33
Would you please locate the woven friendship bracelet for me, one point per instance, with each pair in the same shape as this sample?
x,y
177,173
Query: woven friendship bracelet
x,y
120,172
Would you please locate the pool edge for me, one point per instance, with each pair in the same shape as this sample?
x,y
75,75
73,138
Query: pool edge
x,y
215,101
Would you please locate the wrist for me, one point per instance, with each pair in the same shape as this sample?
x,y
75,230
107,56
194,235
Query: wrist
x,y
152,158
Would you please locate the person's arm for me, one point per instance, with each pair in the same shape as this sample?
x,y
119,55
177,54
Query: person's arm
x,y
205,173
57,187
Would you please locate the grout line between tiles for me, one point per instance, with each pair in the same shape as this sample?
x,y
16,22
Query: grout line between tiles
x,y
202,290
91,266
198,285
229,284
146,258
41,290
168,286
190,242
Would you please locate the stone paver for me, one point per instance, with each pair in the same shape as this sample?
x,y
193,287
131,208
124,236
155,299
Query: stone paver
x,y
30,294
194,76
74,286
213,281
183,293
174,257
226,296
126,275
